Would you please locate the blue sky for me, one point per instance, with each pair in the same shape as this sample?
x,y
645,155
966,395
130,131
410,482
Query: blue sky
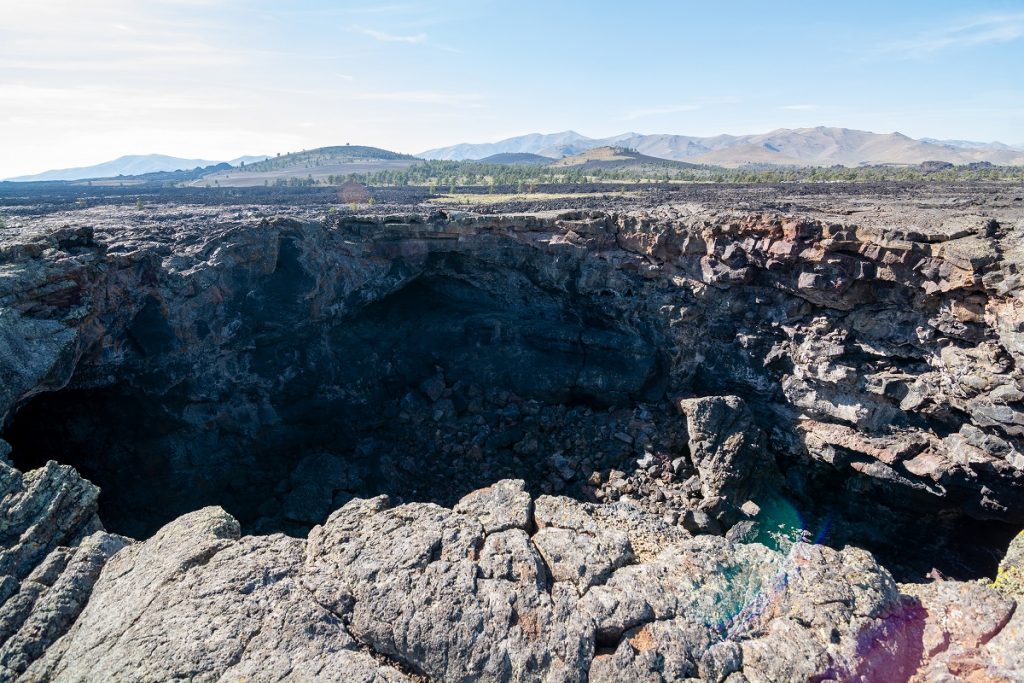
x,y
83,82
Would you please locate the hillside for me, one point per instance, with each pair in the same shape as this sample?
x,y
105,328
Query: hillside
x,y
534,143
318,164
821,146
516,159
615,158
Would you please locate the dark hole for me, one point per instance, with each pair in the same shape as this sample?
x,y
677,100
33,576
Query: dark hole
x,y
456,379
434,391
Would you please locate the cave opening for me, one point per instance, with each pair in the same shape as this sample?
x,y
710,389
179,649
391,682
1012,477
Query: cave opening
x,y
441,387
455,378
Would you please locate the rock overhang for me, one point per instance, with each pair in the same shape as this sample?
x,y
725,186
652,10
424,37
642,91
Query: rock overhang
x,y
714,298
868,370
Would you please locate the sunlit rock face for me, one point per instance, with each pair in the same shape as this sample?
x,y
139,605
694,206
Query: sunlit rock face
x,y
643,384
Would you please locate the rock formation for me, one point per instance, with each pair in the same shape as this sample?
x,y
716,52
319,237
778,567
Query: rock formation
x,y
763,443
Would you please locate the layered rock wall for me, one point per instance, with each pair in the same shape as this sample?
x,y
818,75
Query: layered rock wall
x,y
706,369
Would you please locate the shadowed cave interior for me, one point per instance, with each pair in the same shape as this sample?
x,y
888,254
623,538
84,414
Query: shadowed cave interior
x,y
443,386
436,390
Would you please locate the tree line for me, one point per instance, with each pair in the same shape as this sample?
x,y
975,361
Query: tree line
x,y
441,176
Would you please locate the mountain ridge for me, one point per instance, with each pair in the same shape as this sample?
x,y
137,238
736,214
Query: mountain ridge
x,y
129,165
818,146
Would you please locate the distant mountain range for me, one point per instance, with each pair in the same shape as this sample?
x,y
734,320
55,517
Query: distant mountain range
x,y
132,165
821,146
535,143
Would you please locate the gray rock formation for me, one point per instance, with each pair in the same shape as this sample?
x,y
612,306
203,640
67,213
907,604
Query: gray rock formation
x,y
836,378
421,592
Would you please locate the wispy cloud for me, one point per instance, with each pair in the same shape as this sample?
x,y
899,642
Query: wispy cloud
x,y
659,111
982,30
422,97
408,39
415,39
663,110
799,107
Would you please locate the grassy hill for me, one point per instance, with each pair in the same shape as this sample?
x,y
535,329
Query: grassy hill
x,y
516,159
616,158
324,164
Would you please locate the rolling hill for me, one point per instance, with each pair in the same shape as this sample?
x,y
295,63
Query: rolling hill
x,y
516,159
318,164
615,158
821,146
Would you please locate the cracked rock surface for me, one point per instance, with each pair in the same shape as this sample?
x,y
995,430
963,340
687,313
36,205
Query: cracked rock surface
x,y
421,592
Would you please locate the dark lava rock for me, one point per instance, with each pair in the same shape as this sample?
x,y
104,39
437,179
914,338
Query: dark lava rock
x,y
393,392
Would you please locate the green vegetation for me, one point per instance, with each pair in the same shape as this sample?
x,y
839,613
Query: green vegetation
x,y
454,174
1010,579
491,198
324,155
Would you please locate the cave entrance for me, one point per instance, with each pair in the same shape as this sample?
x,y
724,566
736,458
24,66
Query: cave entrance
x,y
443,386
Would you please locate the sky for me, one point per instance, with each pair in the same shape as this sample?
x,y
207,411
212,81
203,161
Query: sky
x,y
83,82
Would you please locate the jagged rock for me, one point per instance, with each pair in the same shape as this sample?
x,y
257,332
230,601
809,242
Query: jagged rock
x,y
389,594
826,314
409,584
198,356
583,559
196,601
502,506
39,511
660,650
956,621
727,448
794,617
50,600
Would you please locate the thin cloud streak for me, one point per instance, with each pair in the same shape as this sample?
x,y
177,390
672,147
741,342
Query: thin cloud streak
x,y
421,97
416,39
984,30
680,108
658,111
